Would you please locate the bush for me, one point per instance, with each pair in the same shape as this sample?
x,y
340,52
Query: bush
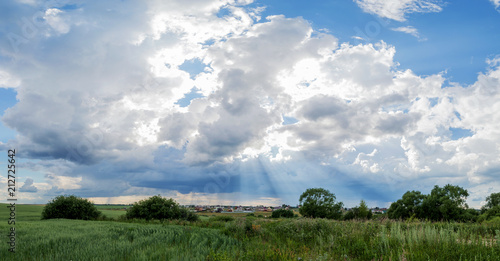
x,y
70,207
159,208
282,213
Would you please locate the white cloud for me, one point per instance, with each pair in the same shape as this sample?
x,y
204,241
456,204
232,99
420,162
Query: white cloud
x,y
29,2
8,81
397,9
55,18
409,30
99,107
28,186
496,3
64,182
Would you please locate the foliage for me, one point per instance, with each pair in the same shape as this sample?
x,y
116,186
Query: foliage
x,y
70,207
159,208
360,212
446,203
442,204
409,205
493,200
492,208
320,203
286,213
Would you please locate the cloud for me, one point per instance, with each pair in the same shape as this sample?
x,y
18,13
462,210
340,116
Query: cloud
x,y
496,3
55,18
99,111
64,182
396,9
409,30
28,186
8,81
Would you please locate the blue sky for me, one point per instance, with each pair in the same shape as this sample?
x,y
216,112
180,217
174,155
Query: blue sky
x,y
250,102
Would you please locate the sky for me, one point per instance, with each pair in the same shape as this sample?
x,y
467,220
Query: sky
x,y
248,102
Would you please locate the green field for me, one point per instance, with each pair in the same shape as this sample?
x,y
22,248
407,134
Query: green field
x,y
245,238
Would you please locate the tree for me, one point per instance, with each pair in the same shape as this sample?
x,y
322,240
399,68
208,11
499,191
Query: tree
x,y
493,200
363,211
349,215
492,207
157,207
446,203
320,203
70,207
359,212
409,205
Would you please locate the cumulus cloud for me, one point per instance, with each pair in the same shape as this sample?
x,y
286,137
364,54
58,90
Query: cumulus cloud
x,y
28,186
99,105
397,9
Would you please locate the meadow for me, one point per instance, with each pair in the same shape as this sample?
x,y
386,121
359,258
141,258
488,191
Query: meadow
x,y
239,237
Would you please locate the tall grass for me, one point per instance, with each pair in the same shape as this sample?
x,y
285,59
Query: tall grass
x,y
310,239
94,240
247,238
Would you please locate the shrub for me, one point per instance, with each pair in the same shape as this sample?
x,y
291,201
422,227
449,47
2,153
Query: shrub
x,y
70,207
282,213
159,208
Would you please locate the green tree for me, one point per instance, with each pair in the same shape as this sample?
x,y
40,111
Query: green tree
x,y
320,203
492,207
157,207
446,203
70,207
350,214
363,211
410,205
359,212
493,200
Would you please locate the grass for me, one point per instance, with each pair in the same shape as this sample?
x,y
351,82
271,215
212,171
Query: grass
x,y
114,214
233,236
24,212
112,207
100,240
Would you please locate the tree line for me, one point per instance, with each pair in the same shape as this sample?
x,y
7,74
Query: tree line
x,y
446,203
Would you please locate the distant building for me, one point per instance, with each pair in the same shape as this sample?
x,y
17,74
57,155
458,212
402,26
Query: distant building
x,y
379,210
